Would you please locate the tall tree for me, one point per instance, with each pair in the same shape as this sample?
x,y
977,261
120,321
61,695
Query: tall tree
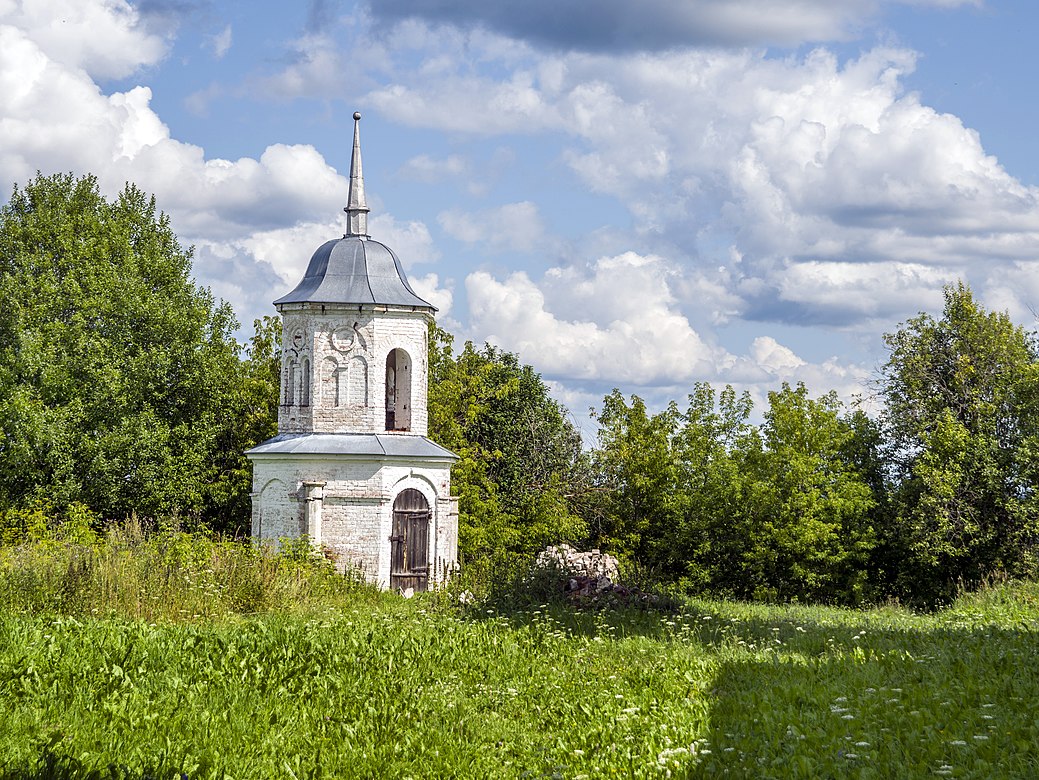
x,y
115,368
636,463
714,436
520,456
807,509
251,417
963,421
780,511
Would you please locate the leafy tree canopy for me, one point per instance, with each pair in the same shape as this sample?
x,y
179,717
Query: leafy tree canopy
x,y
962,421
117,372
521,469
779,511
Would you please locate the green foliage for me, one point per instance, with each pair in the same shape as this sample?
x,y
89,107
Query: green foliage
x,y
808,509
510,582
520,466
163,575
636,464
714,441
779,512
251,417
821,504
115,368
962,423
41,521
21,523
383,687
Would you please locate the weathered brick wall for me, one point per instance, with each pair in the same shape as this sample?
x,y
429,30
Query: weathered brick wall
x,y
357,506
277,512
353,530
446,559
335,361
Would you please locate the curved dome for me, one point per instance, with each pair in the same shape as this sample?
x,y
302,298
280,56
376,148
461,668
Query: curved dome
x,y
357,270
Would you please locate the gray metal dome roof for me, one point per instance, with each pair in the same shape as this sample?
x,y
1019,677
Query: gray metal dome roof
x,y
355,270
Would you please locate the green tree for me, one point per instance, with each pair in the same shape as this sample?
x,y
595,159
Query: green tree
x,y
780,512
714,435
252,417
961,418
115,368
807,510
636,464
521,468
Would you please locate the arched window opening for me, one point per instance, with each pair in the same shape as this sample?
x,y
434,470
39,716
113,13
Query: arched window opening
x,y
398,391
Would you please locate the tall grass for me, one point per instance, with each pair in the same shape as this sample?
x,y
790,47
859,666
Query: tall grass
x,y
294,671
167,575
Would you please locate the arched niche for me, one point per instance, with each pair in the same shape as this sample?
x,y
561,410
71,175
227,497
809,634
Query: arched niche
x,y
304,393
358,381
331,392
277,513
289,382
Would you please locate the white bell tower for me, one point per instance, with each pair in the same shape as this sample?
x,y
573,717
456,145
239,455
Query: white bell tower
x,y
351,466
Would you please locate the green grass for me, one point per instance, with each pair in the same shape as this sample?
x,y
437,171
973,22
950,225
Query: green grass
x,y
345,682
167,576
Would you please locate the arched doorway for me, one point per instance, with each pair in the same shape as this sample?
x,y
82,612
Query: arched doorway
x,y
409,542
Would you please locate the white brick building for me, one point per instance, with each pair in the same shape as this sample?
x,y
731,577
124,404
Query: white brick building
x,y
351,466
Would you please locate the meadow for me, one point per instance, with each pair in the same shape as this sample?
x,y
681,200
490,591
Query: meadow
x,y
176,656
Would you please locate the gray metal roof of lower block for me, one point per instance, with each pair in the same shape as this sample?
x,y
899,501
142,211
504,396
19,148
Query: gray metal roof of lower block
x,y
355,270
377,445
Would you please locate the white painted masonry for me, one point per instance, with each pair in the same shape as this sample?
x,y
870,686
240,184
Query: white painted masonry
x,y
353,417
355,507
334,366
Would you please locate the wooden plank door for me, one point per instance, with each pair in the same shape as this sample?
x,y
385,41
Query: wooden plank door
x,y
409,542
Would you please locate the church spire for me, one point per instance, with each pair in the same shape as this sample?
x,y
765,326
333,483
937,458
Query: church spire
x,y
356,206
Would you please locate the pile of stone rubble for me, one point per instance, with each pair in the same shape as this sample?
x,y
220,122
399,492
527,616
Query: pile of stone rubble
x,y
590,577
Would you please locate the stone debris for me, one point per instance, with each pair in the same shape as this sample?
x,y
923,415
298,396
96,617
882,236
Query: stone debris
x,y
568,560
591,578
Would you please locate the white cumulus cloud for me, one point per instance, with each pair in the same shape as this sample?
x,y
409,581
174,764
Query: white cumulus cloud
x,y
514,226
105,38
254,221
572,326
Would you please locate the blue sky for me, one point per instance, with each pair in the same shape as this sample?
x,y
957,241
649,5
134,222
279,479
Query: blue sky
x,y
635,195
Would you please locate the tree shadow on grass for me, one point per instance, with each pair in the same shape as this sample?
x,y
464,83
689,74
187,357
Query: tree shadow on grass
x,y
54,764
812,693
879,702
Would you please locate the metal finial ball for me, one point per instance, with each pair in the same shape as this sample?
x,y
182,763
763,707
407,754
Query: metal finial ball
x,y
357,114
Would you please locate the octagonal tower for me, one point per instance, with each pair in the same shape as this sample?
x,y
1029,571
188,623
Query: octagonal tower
x,y
351,466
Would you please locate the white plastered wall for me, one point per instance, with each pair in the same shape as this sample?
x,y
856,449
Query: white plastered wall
x,y
345,350
357,507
